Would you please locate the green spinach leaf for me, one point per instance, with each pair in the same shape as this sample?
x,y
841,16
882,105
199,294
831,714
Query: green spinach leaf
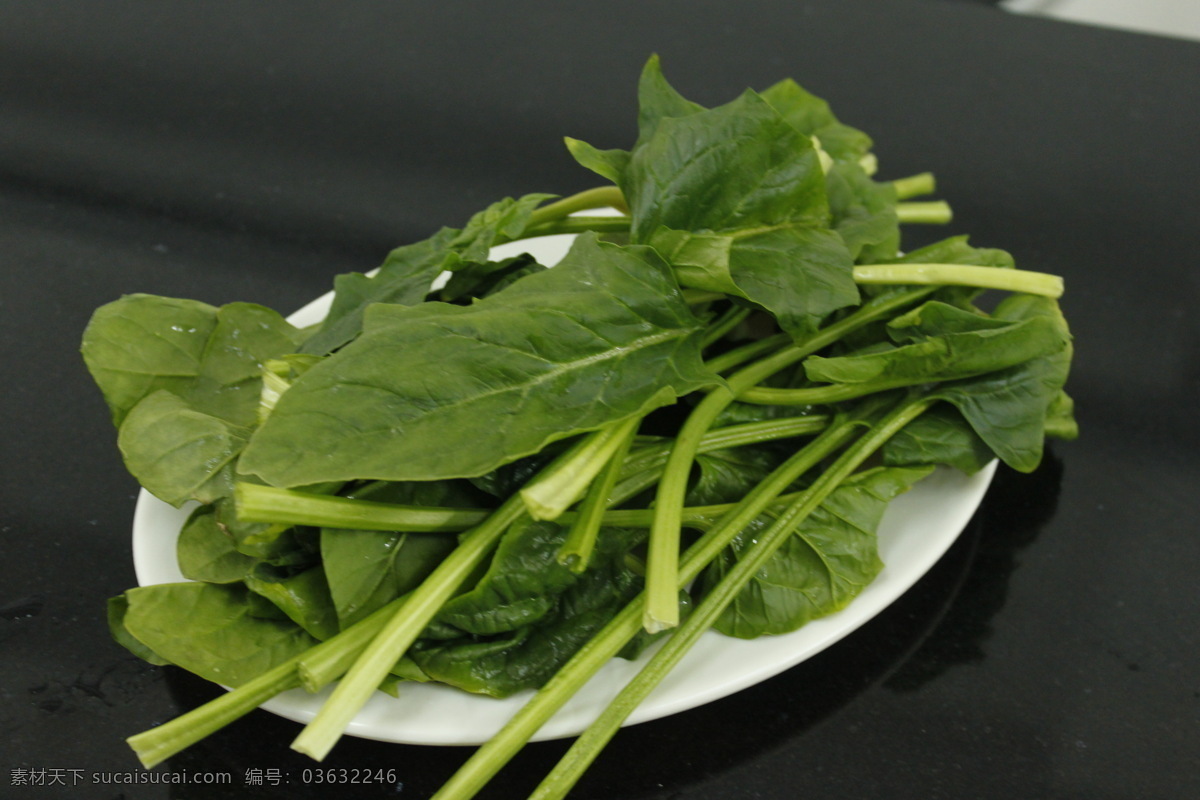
x,y
821,567
602,336
223,633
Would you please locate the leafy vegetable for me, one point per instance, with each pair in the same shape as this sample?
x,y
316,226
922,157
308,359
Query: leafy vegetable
x,y
504,483
602,337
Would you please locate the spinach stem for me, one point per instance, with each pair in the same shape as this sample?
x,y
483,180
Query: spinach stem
x,y
592,741
748,352
550,494
257,503
721,326
577,224
163,741
914,185
1013,280
933,212
597,197
576,550
818,395
497,751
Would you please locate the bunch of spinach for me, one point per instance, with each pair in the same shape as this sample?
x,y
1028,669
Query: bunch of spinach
x,y
504,482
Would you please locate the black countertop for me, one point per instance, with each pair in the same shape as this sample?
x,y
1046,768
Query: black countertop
x,y
250,151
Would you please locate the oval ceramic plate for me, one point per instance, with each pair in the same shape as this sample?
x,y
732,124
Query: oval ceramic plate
x,y
916,530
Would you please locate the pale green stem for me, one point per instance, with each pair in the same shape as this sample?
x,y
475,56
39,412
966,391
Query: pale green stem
x,y
1012,280
257,503
934,212
819,395
551,493
576,550
577,224
724,324
914,185
598,197
748,352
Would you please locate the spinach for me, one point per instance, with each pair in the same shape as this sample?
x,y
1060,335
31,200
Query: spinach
x,y
485,484
529,613
817,570
406,275
603,336
206,552
230,635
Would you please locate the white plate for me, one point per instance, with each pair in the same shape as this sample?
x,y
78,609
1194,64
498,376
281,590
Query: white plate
x,y
916,530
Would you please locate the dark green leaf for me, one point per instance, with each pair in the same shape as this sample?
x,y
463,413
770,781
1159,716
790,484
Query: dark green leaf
x,y
528,614
939,436
812,116
944,343
117,608
740,165
178,453
1008,408
368,569
482,279
303,596
404,278
142,343
223,633
438,391
212,357
725,476
610,164
864,212
658,100
820,568
206,552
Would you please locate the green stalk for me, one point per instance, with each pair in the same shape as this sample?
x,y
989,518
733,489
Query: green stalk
x,y
914,185
1012,280
592,741
817,395
404,626
724,324
662,611
576,550
551,493
577,224
653,457
160,743
598,197
257,503
934,212
497,751
163,741
748,352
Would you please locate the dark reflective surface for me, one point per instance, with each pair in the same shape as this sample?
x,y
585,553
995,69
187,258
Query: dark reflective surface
x,y
252,154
